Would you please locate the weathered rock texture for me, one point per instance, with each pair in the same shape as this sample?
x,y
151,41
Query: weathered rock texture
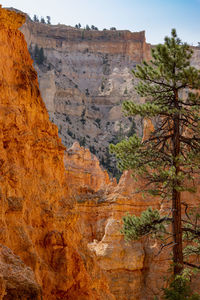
x,y
124,264
36,217
63,225
17,280
84,79
83,169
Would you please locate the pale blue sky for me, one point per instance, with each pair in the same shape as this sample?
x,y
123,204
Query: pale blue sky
x,y
156,17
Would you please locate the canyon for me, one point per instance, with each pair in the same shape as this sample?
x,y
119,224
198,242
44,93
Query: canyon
x,y
84,78
60,212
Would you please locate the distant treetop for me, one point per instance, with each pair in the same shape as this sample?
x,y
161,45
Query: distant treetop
x,y
42,20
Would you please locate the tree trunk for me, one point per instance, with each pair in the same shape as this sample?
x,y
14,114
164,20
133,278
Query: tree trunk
x,y
177,232
176,198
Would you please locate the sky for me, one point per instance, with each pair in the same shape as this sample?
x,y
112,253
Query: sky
x,y
156,17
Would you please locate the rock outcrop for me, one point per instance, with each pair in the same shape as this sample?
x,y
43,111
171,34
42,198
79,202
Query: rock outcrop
x,y
36,217
83,169
17,280
84,78
101,204
60,214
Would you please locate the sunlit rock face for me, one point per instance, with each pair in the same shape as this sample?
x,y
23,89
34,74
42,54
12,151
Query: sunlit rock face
x,y
60,214
36,216
100,211
83,169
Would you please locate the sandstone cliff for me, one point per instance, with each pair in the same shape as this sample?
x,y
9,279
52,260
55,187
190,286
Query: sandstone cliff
x,y
84,79
60,229
37,220
100,205
64,226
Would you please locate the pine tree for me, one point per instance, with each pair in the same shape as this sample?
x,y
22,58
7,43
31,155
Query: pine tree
x,y
41,57
42,20
168,159
36,53
87,27
48,20
35,18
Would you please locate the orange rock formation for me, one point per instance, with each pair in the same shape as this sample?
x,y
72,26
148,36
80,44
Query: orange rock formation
x,y
63,225
36,219
100,205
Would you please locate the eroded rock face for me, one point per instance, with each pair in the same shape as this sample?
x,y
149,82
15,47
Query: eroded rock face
x,y
123,262
135,270
83,170
17,280
36,216
100,219
64,225
84,79
101,204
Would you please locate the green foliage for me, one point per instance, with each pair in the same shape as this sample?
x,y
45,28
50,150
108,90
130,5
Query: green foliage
x,y
35,18
48,20
191,234
179,289
126,91
94,27
83,120
42,20
87,92
92,149
162,82
70,133
38,55
168,157
82,141
149,222
87,27
108,162
41,57
98,122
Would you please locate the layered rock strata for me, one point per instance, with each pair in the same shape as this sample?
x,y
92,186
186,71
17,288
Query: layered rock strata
x,y
60,229
100,219
84,78
36,217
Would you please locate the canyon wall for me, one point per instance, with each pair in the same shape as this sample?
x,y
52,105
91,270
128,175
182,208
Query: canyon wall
x,y
60,229
85,77
60,213
41,252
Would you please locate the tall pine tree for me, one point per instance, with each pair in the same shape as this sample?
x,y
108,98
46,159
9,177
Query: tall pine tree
x,y
169,158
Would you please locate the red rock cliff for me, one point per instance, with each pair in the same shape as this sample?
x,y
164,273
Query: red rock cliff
x,y
36,219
